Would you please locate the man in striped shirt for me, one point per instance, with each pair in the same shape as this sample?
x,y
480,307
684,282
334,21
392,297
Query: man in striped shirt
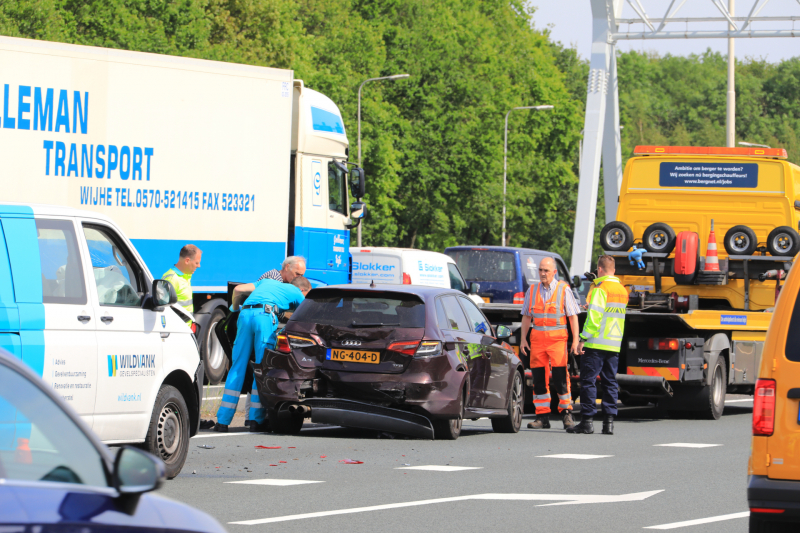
x,y
292,266
548,307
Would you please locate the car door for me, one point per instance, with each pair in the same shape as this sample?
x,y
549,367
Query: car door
x,y
495,358
70,342
129,337
456,329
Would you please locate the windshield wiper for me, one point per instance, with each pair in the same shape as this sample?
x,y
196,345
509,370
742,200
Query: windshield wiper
x,y
372,324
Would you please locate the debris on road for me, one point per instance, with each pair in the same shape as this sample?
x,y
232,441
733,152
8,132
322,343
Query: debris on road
x,y
351,462
268,447
207,447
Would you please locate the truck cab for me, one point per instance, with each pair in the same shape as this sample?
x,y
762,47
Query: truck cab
x,y
81,309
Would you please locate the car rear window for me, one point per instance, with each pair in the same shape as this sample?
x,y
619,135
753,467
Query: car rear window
x,y
793,335
485,265
361,308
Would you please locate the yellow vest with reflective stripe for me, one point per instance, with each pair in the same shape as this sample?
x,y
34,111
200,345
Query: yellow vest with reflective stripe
x,y
605,317
183,287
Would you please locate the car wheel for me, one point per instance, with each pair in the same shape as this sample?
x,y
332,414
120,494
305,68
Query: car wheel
x,y
714,394
214,359
659,238
513,421
783,241
450,429
740,240
284,423
616,237
168,434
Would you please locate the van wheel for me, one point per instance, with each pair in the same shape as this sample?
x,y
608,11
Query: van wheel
x,y
740,240
714,393
168,434
513,421
616,237
214,359
659,238
783,241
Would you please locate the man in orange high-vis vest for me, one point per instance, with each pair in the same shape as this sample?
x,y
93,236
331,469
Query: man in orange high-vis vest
x,y
549,304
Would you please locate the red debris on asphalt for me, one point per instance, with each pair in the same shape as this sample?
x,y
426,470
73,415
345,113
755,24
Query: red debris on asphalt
x,y
290,447
281,461
273,465
351,462
323,456
268,447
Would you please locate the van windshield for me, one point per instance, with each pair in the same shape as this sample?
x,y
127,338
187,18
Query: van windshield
x,y
338,307
485,265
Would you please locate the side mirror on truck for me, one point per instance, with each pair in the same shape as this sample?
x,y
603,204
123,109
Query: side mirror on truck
x,y
474,287
357,182
163,294
358,211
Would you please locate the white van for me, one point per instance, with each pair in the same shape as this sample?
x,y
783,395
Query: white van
x,y
79,306
406,266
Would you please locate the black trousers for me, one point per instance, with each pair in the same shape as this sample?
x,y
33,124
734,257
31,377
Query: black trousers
x,y
596,362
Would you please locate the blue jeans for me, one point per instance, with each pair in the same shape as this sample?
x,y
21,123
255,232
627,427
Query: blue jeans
x,y
596,362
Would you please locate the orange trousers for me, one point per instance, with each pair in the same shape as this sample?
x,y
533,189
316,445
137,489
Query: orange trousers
x,y
549,356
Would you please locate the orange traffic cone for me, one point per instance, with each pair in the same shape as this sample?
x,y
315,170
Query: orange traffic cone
x,y
22,454
712,262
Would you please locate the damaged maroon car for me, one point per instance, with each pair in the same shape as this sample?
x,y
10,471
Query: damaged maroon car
x,y
405,359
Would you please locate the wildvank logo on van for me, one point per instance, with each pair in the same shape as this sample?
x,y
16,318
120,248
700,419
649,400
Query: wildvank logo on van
x,y
131,365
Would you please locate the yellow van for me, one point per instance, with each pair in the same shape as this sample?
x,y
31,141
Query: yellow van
x,y
773,489
751,194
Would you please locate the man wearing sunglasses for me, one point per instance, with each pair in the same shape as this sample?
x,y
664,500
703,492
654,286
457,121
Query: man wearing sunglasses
x,y
549,304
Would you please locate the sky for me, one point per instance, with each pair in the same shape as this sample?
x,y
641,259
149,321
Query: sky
x,y
570,21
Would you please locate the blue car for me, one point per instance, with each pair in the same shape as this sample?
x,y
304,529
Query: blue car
x,y
504,273
55,473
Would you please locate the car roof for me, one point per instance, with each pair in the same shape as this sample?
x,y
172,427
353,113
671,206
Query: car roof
x,y
397,251
422,291
13,208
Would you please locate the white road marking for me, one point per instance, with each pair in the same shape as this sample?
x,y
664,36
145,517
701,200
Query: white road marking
x,y
274,482
231,434
574,456
737,401
571,499
701,521
439,468
688,445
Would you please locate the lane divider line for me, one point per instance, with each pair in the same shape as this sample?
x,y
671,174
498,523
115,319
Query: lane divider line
x,y
700,521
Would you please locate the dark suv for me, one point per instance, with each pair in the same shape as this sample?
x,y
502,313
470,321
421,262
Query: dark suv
x,y
503,273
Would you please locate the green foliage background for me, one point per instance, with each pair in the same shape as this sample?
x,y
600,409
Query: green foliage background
x,y
433,144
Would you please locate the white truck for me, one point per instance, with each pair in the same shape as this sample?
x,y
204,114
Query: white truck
x,y
245,162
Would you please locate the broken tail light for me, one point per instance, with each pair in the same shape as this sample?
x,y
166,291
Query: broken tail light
x,y
283,344
404,347
764,408
428,349
296,341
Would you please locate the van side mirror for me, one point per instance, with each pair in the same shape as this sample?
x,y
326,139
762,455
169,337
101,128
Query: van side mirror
x,y
474,287
358,211
357,182
576,281
163,294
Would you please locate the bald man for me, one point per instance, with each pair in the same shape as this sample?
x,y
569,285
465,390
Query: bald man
x,y
549,304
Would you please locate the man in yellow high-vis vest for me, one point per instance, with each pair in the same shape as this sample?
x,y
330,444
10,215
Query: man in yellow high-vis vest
x,y
180,275
602,339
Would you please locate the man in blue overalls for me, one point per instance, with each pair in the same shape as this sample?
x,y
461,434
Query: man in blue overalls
x,y
256,330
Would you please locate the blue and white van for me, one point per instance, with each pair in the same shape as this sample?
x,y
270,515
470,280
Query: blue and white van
x,y
79,306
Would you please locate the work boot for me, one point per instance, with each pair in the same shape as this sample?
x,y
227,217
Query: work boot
x,y
585,426
568,422
608,425
221,428
541,422
263,427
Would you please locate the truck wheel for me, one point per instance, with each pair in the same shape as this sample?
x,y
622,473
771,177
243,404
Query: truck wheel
x,y
659,238
214,359
714,394
450,429
740,240
783,241
168,434
284,423
616,237
513,421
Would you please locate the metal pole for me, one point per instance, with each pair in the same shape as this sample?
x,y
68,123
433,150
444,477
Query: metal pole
x,y
730,122
392,77
505,156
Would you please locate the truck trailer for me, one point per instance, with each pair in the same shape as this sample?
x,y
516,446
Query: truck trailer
x,y
245,162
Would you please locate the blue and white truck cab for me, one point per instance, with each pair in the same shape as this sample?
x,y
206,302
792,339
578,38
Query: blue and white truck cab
x,y
79,306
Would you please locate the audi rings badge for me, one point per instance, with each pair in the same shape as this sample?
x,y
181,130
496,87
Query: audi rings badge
x,y
351,343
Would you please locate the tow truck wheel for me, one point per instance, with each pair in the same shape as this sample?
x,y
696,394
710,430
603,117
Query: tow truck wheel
x,y
168,434
616,237
214,359
659,238
783,241
715,392
740,240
